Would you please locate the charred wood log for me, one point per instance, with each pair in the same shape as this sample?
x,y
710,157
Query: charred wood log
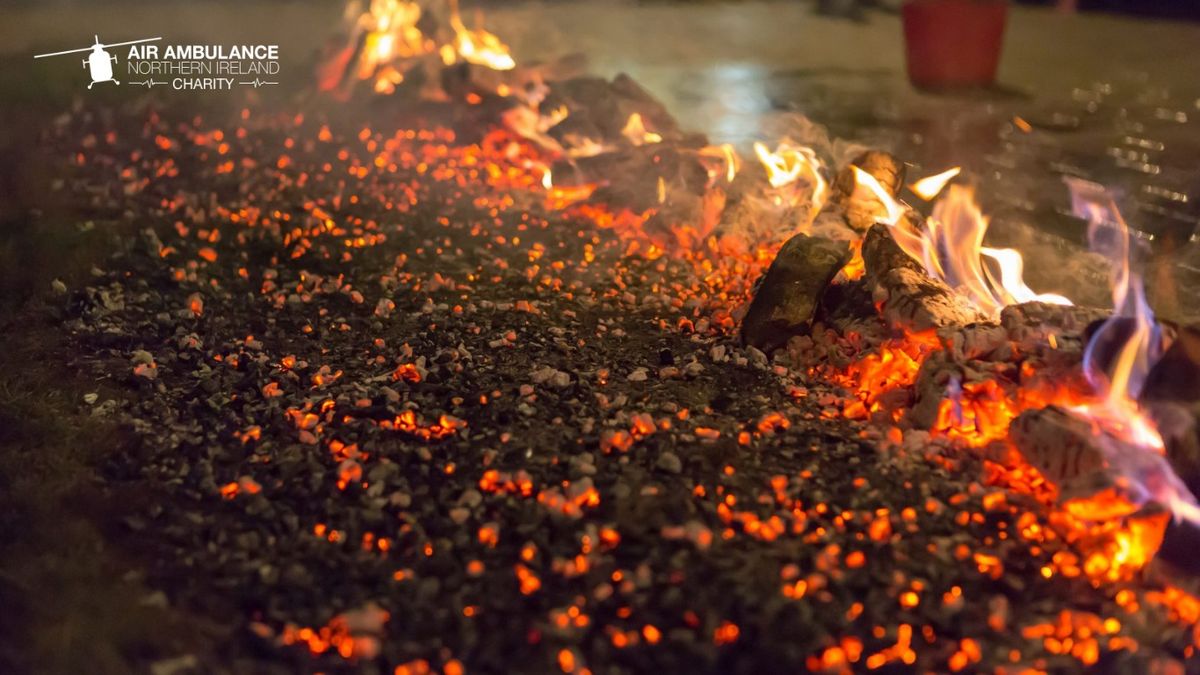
x,y
1060,445
910,299
1032,324
882,166
1180,543
847,305
791,290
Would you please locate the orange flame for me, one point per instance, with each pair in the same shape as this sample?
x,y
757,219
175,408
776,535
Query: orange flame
x,y
388,43
950,245
478,46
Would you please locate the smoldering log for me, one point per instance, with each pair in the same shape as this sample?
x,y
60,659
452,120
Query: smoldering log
x,y
930,389
844,217
847,307
1032,324
599,109
1179,426
910,298
639,178
1179,545
1059,444
791,290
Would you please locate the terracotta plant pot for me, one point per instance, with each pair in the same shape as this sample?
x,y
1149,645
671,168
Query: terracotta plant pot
x,y
953,43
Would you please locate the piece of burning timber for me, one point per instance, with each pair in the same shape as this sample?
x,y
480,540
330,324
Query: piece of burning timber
x,y
790,292
910,298
1060,445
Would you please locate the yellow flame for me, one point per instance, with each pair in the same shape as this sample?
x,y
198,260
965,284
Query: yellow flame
x,y
635,131
949,244
893,209
391,34
789,163
1011,284
479,46
928,187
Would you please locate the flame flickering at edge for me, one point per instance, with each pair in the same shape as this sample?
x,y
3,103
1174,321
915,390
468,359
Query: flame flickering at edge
x,y
1136,448
950,245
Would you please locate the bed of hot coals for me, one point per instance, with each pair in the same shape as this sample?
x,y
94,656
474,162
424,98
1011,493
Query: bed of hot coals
x,y
476,384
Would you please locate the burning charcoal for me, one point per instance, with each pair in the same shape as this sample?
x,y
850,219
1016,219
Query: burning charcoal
x,y
1176,376
1061,446
791,290
911,299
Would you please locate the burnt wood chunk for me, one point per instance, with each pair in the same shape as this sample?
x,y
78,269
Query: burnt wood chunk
x,y
1057,443
912,300
791,289
1171,396
1031,323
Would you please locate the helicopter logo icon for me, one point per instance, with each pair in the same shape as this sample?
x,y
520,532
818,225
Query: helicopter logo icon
x,y
99,62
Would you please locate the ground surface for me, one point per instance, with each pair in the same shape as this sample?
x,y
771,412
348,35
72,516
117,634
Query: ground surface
x,y
662,521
